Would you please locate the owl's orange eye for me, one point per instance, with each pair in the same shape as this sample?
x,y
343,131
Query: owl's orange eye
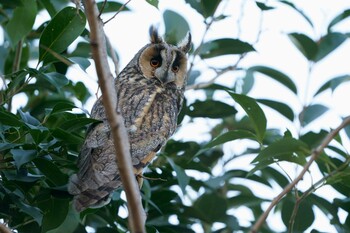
x,y
175,69
155,63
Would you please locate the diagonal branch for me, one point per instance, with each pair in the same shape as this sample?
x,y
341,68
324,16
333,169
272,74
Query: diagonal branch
x,y
290,186
120,137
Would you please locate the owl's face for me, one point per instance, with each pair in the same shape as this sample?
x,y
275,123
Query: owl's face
x,y
164,62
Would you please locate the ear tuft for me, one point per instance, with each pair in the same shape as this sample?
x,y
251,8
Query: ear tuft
x,y
155,38
185,44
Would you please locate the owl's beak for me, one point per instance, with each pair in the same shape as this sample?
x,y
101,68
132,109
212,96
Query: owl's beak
x,y
165,76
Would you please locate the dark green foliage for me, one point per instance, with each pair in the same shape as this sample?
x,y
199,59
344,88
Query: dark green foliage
x,y
183,190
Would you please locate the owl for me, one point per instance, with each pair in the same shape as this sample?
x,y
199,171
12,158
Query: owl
x,y
150,91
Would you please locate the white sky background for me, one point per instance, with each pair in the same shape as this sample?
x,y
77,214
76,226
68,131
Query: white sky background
x,y
128,32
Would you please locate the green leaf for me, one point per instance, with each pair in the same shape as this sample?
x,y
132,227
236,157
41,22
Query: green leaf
x,y
248,82
23,156
311,113
61,31
51,171
109,6
7,145
22,21
31,211
305,45
28,119
10,59
206,8
82,62
263,6
193,76
230,136
81,92
211,109
313,139
276,75
153,3
61,107
39,135
299,11
53,7
70,223
8,118
212,207
304,217
282,108
270,173
347,130
284,146
83,49
333,83
11,3
181,176
227,137
57,80
345,14
329,43
323,204
225,46
254,112
67,137
176,27
72,125
56,210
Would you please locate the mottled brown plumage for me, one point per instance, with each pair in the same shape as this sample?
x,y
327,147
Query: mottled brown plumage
x,y
150,92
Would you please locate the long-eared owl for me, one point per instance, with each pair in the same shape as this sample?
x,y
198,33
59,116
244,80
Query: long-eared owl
x,y
150,92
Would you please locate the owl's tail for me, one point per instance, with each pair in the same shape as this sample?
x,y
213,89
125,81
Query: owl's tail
x,y
85,197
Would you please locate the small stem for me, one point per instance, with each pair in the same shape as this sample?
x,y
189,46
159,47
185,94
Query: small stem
x,y
196,52
113,56
18,56
102,8
290,186
218,74
306,92
15,67
120,9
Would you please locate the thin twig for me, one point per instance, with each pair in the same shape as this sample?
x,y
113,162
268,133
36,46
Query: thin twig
x,y
218,74
120,137
18,56
290,186
102,8
240,18
314,187
196,52
4,229
15,67
120,9
24,223
113,56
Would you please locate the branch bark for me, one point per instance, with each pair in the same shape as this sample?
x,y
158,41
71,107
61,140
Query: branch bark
x,y
120,137
290,186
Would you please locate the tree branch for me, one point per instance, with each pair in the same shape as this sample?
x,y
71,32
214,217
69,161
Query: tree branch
x,y
120,137
290,186
4,229
218,74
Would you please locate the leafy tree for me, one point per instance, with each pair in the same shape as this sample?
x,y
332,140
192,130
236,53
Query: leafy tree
x,y
39,142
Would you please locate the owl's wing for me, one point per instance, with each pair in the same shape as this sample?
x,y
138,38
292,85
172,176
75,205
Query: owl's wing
x,y
98,174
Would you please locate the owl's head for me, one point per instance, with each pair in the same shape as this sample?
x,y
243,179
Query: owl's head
x,y
164,62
